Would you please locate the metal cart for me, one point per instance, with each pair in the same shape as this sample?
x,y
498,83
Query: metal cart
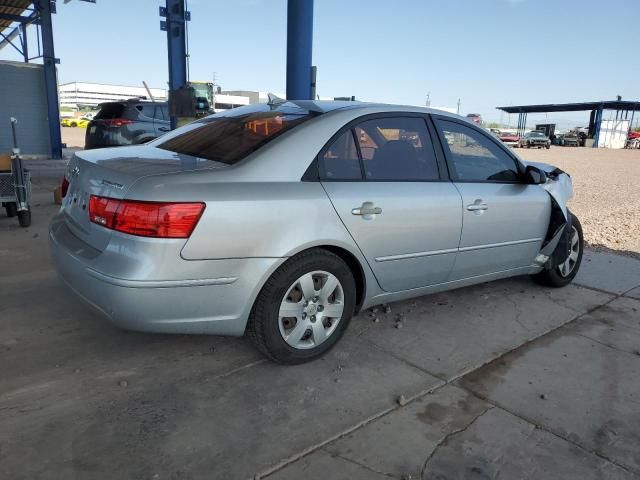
x,y
15,185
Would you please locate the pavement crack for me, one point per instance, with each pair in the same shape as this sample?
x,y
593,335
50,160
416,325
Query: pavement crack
x,y
604,344
518,313
361,465
444,440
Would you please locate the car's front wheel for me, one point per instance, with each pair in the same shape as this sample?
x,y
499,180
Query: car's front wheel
x,y
304,308
563,274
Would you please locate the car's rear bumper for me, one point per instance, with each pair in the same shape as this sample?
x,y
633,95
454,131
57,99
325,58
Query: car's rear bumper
x,y
215,305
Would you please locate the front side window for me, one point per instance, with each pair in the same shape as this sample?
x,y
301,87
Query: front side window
x,y
230,136
396,148
474,157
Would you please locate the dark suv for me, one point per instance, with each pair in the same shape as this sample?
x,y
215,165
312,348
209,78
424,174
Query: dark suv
x,y
128,122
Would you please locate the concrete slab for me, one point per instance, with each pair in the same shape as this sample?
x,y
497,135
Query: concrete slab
x,y
499,445
585,391
453,434
322,466
611,273
449,334
635,293
192,421
399,443
616,324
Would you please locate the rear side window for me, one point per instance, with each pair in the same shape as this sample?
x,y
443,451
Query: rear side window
x,y
110,110
474,157
230,137
397,148
148,110
340,161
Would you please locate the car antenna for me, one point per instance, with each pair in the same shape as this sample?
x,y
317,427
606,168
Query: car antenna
x,y
274,100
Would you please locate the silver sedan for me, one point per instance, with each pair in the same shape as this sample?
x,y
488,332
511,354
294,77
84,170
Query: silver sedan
x,y
282,220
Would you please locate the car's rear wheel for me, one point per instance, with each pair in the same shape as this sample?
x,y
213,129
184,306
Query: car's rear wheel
x,y
564,273
304,308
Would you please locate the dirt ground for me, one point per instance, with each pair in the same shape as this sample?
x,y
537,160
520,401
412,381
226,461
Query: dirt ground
x,y
606,193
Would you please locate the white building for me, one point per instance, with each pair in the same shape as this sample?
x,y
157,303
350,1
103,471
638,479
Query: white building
x,y
81,94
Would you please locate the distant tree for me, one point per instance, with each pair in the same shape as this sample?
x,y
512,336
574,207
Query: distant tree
x,y
637,129
493,125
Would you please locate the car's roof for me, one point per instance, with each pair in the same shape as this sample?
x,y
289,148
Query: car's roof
x,y
325,106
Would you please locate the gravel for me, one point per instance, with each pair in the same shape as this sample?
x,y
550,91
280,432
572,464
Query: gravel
x,y
606,193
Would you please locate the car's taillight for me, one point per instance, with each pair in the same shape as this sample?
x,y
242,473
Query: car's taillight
x,y
117,122
146,219
64,187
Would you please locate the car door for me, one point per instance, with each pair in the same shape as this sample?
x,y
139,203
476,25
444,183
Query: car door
x,y
504,219
382,176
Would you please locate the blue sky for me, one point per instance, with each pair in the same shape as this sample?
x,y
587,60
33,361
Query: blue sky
x,y
485,52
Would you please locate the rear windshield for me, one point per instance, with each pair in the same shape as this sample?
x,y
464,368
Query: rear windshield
x,y
110,110
230,136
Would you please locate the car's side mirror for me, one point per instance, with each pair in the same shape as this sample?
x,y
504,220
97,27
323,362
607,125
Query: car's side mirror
x,y
534,175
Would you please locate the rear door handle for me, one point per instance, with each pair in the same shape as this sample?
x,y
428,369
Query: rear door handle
x,y
164,129
366,209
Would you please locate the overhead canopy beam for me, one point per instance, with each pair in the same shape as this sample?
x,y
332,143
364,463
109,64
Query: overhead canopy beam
x,y
572,107
300,78
16,31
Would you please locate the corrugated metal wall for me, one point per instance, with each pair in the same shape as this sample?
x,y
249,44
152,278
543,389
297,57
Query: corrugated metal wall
x,y
23,96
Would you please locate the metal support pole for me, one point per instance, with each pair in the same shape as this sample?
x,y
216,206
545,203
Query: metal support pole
x,y
50,78
598,121
25,45
176,47
299,49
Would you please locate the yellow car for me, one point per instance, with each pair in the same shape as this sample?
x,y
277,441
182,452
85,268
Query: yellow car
x,y
75,122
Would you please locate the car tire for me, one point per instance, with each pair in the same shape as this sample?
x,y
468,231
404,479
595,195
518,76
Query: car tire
x,y
11,208
24,218
557,277
292,340
548,147
74,124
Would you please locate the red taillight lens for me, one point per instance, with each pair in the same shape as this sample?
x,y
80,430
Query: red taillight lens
x,y
147,219
64,187
117,122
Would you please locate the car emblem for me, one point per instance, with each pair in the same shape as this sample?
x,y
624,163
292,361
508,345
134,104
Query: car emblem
x,y
75,172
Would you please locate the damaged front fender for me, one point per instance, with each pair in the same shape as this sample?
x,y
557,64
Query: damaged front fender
x,y
559,186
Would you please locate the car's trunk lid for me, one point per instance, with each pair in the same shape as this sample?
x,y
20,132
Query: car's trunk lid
x,y
111,173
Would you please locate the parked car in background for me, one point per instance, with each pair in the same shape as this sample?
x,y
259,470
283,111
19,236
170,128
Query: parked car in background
x,y
75,122
128,122
534,139
510,139
356,204
571,139
475,118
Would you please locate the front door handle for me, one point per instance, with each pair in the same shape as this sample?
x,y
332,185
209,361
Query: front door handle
x,y
367,209
477,206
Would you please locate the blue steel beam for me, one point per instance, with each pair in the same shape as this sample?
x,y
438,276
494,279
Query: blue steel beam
x,y
176,46
598,121
50,78
299,49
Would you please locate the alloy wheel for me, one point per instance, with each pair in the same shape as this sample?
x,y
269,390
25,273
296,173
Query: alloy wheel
x,y
569,264
311,309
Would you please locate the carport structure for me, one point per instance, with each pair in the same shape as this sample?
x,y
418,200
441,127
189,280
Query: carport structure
x,y
16,15
624,110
